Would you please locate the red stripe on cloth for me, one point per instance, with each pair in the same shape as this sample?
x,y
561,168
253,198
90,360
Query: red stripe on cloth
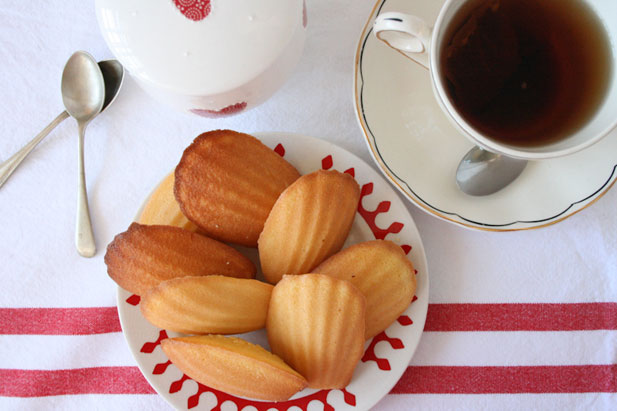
x,y
521,317
440,317
415,380
96,380
508,380
59,321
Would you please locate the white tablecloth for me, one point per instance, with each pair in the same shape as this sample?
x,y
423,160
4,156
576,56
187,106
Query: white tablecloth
x,y
487,343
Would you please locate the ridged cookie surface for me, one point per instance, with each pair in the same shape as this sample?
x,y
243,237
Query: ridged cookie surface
x,y
227,182
234,366
316,325
210,304
309,222
145,255
163,209
384,274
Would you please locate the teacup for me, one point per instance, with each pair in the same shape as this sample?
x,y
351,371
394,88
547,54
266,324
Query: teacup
x,y
208,57
416,39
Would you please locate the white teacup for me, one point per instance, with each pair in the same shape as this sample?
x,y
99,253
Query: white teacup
x,y
422,43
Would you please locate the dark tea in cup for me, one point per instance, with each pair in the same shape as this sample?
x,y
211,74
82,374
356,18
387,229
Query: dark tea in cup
x,y
526,72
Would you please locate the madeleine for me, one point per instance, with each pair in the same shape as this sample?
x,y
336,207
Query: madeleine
x,y
234,366
145,255
309,222
227,182
207,305
316,325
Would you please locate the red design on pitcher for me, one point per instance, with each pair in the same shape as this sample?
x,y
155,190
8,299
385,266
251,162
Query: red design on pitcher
x,y
406,248
195,10
227,111
351,172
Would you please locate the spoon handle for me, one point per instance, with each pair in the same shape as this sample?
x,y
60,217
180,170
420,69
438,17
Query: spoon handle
x,y
84,237
7,167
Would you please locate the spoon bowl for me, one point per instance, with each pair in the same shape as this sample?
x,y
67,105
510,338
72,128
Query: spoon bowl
x,y
83,87
483,172
113,76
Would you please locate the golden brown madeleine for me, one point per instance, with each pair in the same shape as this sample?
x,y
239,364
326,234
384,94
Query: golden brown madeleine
x,y
210,304
144,255
234,366
227,182
316,325
163,209
384,274
309,222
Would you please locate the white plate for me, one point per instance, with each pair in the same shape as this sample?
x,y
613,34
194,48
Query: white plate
x,y
381,214
418,149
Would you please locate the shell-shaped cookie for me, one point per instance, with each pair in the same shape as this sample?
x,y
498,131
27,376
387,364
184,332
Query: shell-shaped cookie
x,y
382,272
316,325
234,366
227,182
145,255
163,209
309,222
210,304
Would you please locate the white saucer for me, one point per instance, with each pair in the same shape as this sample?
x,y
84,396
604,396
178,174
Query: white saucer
x,y
418,149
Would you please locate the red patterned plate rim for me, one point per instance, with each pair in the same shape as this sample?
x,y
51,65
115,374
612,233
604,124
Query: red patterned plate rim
x,y
381,214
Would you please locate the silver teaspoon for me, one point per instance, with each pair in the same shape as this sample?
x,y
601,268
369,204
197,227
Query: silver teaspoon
x,y
113,75
482,172
83,94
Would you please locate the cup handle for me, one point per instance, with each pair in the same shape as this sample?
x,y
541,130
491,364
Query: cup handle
x,y
405,33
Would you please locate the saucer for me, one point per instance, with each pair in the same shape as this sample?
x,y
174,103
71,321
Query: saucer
x,y
418,150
